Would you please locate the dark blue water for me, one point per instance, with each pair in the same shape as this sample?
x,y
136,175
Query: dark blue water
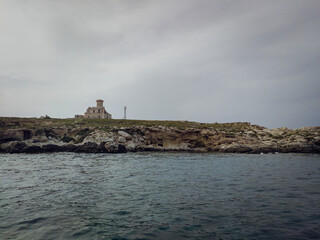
x,y
159,196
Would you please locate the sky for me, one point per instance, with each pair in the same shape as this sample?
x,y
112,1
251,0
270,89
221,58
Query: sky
x,y
198,60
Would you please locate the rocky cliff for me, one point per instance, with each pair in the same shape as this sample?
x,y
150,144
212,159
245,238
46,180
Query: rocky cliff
x,y
21,135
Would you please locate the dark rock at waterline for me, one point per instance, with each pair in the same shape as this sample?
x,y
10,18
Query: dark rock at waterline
x,y
87,148
15,147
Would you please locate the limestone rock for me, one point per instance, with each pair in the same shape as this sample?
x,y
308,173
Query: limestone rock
x,y
43,139
251,139
111,147
235,148
13,147
125,135
122,139
131,146
14,135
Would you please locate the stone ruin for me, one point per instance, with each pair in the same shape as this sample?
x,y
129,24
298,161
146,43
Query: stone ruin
x,y
96,112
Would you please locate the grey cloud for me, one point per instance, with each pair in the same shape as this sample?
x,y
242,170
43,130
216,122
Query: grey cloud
x,y
201,60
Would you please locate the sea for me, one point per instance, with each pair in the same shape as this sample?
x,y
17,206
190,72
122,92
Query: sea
x,y
159,195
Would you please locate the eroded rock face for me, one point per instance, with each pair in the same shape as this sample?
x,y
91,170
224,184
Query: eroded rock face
x,y
12,135
255,139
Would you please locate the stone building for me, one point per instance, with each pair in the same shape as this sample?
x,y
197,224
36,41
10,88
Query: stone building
x,y
96,112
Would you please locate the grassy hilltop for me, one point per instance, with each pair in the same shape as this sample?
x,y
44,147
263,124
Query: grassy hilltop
x,y
108,124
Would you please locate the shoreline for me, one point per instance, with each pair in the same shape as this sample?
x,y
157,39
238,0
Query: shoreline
x,y
31,135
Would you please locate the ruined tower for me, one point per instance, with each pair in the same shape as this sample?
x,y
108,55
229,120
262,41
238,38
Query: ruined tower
x,y
96,112
99,103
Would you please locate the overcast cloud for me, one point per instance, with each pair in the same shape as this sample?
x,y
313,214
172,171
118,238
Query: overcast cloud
x,y
197,60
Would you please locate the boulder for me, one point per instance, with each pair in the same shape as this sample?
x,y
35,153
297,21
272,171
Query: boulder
x,y
131,146
125,135
43,139
109,139
121,139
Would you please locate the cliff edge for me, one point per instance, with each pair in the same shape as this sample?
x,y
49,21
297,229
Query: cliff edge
x,y
32,135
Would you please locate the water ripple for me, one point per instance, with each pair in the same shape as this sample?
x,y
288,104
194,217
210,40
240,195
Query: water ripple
x,y
159,196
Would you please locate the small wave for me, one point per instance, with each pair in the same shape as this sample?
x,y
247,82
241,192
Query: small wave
x,y
32,221
121,213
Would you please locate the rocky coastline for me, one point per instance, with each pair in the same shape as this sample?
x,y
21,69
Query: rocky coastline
x,y
102,136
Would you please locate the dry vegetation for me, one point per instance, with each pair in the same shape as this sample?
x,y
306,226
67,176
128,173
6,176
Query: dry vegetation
x,y
108,124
